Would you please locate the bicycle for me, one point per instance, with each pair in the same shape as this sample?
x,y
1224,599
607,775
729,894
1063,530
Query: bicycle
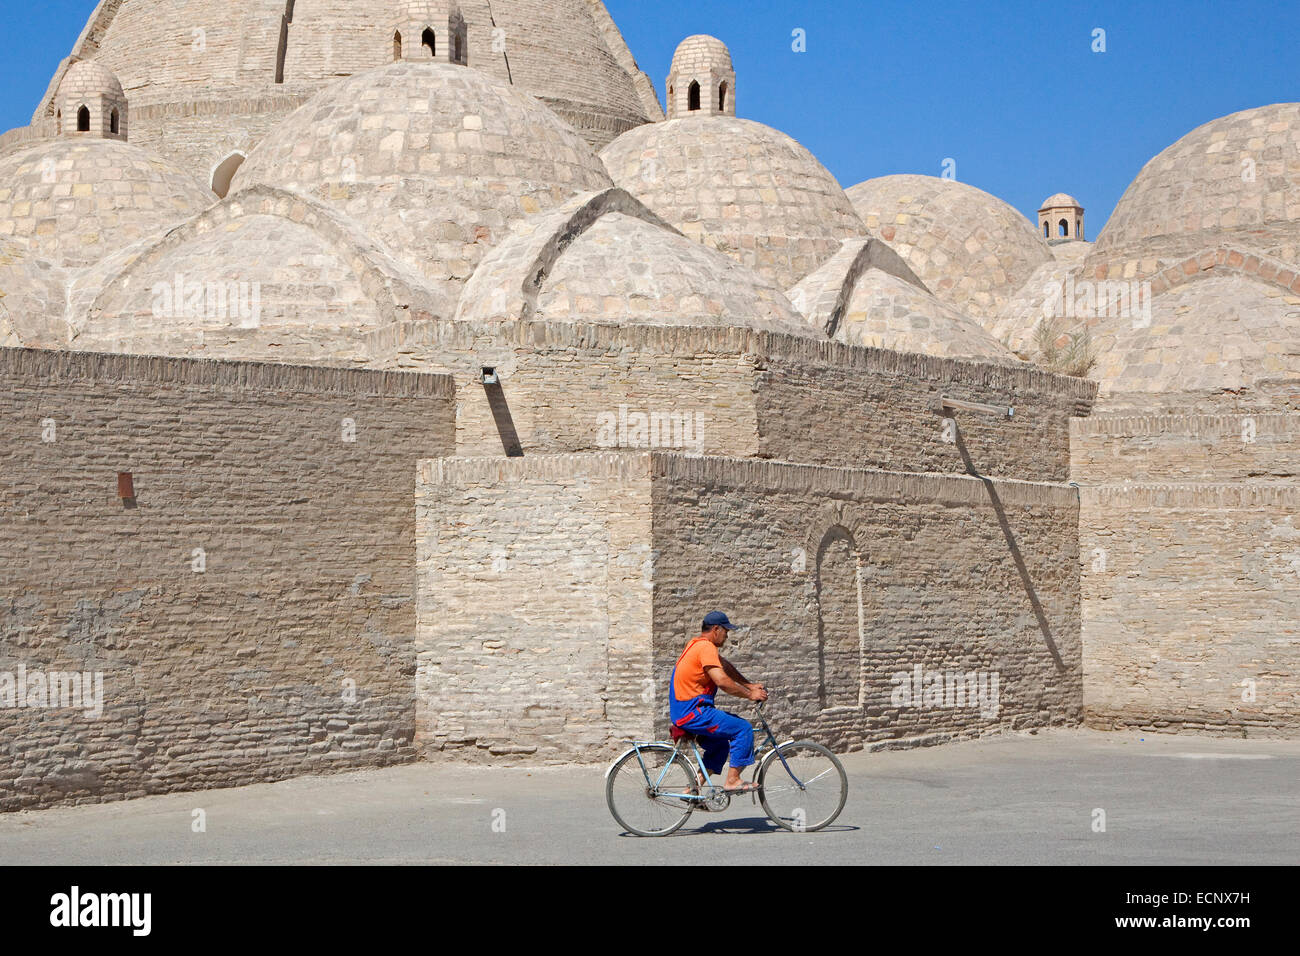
x,y
652,788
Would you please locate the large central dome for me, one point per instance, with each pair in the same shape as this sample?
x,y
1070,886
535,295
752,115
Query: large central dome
x,y
435,161
206,78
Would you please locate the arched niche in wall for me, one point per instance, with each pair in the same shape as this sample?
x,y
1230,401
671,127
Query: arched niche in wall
x,y
839,620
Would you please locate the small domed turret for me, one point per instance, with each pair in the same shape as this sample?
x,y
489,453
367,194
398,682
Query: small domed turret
x,y
430,30
1060,217
701,81
91,102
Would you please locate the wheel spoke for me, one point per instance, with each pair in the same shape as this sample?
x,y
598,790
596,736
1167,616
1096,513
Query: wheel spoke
x,y
818,801
640,806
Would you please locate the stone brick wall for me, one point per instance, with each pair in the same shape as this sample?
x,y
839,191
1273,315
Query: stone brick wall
x,y
236,674
757,394
827,403
1190,558
846,578
534,614
580,577
1239,445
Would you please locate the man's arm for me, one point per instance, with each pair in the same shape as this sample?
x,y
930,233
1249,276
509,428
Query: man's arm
x,y
732,672
724,681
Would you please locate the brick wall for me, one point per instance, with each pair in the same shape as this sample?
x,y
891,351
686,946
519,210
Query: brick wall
x,y
864,407
534,616
957,575
1190,557
757,394
536,565
236,674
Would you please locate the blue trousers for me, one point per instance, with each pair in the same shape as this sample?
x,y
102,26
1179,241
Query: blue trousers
x,y
720,734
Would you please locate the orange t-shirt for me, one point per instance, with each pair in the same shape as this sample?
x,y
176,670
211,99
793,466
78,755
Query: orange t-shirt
x,y
692,678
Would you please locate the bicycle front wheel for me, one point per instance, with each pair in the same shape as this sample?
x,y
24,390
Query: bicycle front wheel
x,y
646,795
805,792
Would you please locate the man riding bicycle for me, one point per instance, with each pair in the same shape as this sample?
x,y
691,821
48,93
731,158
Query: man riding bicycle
x,y
697,676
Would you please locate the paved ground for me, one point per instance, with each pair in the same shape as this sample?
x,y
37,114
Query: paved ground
x,y
1018,799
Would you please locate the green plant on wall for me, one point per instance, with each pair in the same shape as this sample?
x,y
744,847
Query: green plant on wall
x,y
1076,356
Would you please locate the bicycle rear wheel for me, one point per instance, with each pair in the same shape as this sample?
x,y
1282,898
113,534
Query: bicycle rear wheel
x,y
810,799
637,804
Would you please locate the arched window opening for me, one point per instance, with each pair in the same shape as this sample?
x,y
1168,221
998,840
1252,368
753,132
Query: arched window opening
x,y
694,103
839,621
1078,227
722,97
113,123
83,120
458,49
429,40
397,46
225,173
1047,231
1063,228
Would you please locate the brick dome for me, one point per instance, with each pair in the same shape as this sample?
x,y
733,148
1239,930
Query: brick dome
x,y
90,75
1221,333
971,249
434,161
613,262
246,278
74,201
1234,176
32,297
740,187
256,65
701,52
1058,200
866,295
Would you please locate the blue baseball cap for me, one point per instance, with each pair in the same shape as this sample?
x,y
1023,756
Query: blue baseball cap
x,y
714,618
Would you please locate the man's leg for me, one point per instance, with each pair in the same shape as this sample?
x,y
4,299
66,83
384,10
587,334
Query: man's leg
x,y
715,752
741,735
715,745
719,733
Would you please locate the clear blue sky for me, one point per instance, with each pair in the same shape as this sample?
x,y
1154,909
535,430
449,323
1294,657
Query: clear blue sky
x,y
1012,91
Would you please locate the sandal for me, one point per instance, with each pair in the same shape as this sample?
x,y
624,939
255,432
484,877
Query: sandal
x,y
745,787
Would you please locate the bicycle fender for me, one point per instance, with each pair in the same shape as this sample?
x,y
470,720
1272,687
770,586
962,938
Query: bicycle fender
x,y
614,763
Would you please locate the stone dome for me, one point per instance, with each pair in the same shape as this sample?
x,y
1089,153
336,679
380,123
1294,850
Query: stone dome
x,y
265,273
971,250
700,53
33,296
73,201
435,161
89,75
1058,199
866,295
740,187
1040,298
605,259
886,312
200,106
1234,175
1224,332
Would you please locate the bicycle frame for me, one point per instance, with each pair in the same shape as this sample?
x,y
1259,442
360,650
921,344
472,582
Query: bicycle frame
x,y
769,744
